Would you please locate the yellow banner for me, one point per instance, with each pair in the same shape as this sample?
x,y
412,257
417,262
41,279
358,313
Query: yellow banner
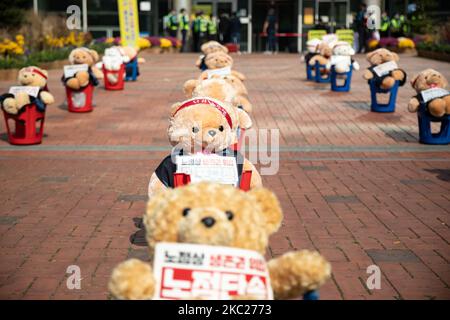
x,y
129,22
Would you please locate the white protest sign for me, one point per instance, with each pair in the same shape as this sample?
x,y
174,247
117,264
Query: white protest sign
x,y
71,70
433,93
187,271
340,59
209,167
221,72
385,68
30,90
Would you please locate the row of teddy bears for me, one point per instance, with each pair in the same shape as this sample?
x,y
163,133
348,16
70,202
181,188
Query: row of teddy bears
x,y
215,113
326,50
32,76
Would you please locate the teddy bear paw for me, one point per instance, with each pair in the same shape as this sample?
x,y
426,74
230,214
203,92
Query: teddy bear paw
x,y
73,84
132,280
387,83
112,78
437,107
10,106
83,78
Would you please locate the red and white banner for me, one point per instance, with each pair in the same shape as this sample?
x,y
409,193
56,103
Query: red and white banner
x,y
191,271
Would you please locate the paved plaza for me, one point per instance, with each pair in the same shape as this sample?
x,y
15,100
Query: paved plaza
x,y
355,185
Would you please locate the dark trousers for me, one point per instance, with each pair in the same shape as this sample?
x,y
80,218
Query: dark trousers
x,y
271,41
173,33
362,37
195,40
183,40
203,37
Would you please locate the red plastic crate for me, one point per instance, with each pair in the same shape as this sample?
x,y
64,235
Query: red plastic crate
x,y
120,80
87,91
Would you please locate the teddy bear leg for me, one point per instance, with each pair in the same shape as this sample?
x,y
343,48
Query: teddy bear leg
x,y
256,177
296,273
447,104
413,105
437,107
398,75
47,97
83,78
155,185
112,78
132,280
73,84
387,83
22,99
367,75
10,106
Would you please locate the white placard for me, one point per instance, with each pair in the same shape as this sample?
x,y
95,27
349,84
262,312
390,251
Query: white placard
x,y
209,167
188,271
30,90
221,72
433,93
385,68
145,6
71,70
340,59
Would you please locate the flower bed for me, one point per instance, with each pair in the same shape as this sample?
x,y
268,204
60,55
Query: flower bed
x,y
434,51
399,45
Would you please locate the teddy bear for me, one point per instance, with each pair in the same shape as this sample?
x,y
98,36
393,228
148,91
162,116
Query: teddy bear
x,y
131,55
34,77
388,77
82,78
430,81
324,49
312,49
220,63
219,88
203,125
112,60
207,48
341,58
219,215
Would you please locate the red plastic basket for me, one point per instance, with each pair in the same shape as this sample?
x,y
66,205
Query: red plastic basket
x,y
181,179
120,78
71,95
232,47
29,126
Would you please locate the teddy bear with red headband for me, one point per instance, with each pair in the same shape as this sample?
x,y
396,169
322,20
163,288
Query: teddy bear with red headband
x,y
32,77
202,126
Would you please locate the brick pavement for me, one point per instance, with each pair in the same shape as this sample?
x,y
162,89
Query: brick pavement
x,y
353,184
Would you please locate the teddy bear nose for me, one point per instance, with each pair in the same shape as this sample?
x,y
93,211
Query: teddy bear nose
x,y
208,222
212,133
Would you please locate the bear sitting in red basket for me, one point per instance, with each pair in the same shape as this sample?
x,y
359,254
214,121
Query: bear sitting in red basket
x,y
32,77
202,126
82,78
384,78
430,87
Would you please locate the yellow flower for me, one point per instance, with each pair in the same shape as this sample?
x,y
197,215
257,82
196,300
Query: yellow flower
x,y
406,43
165,43
373,43
143,43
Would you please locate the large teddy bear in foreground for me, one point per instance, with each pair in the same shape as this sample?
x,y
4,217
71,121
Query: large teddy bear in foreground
x,y
207,126
82,78
221,89
430,81
219,215
33,77
379,57
342,53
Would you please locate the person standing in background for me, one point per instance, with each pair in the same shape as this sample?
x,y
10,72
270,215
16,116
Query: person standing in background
x,y
235,30
385,24
196,31
224,28
271,28
173,23
184,27
212,28
360,22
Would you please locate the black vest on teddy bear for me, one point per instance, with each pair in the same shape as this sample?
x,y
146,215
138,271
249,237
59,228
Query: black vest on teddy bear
x,y
40,105
421,101
379,79
167,167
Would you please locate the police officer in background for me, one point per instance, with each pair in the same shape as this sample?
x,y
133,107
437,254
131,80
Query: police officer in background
x,y
385,25
173,23
183,20
212,28
199,30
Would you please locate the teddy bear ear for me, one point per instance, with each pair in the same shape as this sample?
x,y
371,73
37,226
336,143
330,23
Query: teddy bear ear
x,y
370,55
189,87
396,57
270,208
71,56
244,119
413,80
94,55
225,49
174,108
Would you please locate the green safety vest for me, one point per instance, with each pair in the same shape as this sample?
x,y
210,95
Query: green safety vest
x,y
384,24
173,22
395,24
212,27
184,22
203,24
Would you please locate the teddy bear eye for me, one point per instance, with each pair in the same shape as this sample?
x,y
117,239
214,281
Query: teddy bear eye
x,y
195,129
221,128
186,211
230,214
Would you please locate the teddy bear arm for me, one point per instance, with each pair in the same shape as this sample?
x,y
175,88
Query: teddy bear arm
x,y
47,97
83,78
10,105
238,75
296,273
437,107
367,74
155,186
97,73
132,280
245,104
398,74
256,180
413,105
22,99
447,103
355,65
141,60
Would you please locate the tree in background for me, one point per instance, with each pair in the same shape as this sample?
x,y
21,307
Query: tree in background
x,y
12,14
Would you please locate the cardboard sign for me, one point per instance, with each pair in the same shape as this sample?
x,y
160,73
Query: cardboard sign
x,y
221,72
30,90
340,59
208,167
433,93
188,271
385,68
71,70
